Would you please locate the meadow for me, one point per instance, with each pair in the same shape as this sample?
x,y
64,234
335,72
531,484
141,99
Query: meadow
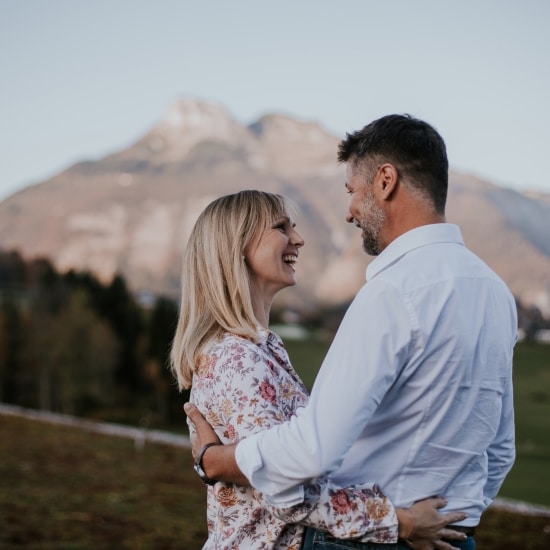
x,y
66,489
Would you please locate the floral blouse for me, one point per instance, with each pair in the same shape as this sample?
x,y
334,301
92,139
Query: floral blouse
x,y
241,388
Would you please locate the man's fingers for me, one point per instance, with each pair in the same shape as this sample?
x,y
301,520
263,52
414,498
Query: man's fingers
x,y
193,413
203,431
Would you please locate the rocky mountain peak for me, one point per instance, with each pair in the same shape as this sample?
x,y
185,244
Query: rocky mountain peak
x,y
186,123
192,115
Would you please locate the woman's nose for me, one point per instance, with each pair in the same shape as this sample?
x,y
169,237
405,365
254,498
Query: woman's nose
x,y
297,240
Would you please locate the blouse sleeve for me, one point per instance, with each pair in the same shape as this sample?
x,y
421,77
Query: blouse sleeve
x,y
360,512
240,393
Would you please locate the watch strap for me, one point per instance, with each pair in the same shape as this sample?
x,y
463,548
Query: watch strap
x,y
199,467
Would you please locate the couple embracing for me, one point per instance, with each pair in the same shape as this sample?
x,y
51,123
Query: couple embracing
x,y
408,433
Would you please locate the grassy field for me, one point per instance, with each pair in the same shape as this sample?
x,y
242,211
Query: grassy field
x,y
67,489
62,488
529,479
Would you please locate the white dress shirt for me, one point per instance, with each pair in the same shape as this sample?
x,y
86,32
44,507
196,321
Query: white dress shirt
x,y
415,392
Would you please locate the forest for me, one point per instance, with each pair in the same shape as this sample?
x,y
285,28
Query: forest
x,y
74,345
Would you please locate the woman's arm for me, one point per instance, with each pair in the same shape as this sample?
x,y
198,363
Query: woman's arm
x,y
358,512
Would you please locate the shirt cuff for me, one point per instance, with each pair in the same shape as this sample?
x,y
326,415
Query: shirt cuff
x,y
249,460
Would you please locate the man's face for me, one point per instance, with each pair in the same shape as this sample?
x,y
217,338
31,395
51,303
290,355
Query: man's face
x,y
363,210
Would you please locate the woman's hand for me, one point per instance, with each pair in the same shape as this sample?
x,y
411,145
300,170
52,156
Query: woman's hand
x,y
422,527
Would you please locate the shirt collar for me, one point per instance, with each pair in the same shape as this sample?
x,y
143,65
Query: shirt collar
x,y
266,336
415,238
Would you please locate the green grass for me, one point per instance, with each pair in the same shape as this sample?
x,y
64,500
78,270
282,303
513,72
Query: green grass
x,y
306,357
528,479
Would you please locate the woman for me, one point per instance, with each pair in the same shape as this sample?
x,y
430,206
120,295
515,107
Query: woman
x,y
242,251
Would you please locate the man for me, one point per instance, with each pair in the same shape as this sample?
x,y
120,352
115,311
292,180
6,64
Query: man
x,y
415,392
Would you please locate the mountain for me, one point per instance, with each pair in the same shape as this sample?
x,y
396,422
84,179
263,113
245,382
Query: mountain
x,y
132,211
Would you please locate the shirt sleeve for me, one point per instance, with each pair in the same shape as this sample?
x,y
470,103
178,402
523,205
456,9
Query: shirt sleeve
x,y
363,361
501,452
240,397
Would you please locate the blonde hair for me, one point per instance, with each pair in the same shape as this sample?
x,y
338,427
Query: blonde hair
x,y
215,293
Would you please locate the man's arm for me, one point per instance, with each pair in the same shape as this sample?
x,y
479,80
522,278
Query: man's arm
x,y
501,452
362,363
421,524
218,462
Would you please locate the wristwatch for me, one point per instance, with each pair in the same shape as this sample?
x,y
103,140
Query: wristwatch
x,y
198,465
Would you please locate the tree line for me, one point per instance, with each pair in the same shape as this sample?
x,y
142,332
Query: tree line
x,y
72,344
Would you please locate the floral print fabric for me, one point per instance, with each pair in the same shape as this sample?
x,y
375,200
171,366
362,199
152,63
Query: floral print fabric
x,y
242,387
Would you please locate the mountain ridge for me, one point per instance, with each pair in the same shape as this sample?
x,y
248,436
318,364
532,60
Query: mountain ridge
x,y
131,212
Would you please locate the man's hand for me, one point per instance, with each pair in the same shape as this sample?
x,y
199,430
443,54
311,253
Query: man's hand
x,y
218,462
203,433
422,526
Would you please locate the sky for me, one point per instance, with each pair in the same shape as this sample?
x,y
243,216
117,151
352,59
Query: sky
x,y
81,79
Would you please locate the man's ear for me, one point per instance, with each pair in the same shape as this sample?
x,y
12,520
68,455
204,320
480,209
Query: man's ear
x,y
388,176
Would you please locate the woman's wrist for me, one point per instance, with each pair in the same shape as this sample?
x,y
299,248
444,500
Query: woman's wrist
x,y
405,521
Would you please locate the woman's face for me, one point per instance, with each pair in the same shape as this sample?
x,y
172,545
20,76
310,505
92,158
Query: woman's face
x,y
271,257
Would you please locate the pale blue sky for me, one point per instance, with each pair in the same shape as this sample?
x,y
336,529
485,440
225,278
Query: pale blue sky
x,y
83,78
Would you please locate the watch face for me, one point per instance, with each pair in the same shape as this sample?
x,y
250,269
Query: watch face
x,y
202,475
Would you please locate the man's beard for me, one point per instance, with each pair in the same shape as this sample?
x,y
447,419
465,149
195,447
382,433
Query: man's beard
x,y
372,225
